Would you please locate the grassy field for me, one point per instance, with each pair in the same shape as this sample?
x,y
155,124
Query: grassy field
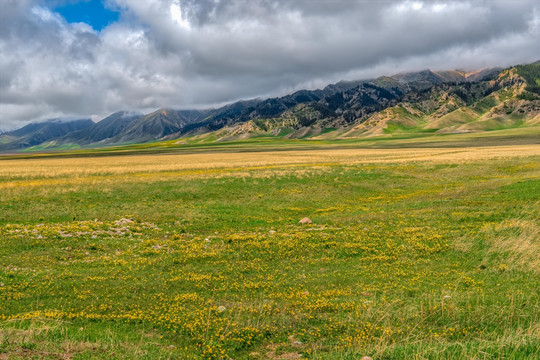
x,y
424,248
517,136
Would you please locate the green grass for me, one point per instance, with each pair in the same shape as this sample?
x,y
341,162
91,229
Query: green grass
x,y
46,146
403,260
327,130
485,104
513,136
4,139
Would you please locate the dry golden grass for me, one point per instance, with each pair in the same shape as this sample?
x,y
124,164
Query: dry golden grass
x,y
233,162
520,239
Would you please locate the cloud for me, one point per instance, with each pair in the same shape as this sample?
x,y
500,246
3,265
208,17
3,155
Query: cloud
x,y
193,53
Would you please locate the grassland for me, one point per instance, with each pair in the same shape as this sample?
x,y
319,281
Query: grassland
x,y
420,248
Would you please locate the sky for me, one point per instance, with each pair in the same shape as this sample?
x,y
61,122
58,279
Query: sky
x,y
89,58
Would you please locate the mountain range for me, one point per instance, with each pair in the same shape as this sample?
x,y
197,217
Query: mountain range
x,y
419,102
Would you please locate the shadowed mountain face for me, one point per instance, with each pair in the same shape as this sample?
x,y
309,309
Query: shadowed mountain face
x,y
158,124
38,133
425,101
107,128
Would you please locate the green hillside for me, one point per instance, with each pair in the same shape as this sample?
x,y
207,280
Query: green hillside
x,y
511,99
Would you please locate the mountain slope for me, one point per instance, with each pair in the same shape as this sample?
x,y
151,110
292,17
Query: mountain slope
x,y
38,133
422,102
105,129
158,125
443,102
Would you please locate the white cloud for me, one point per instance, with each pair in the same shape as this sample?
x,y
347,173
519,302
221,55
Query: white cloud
x,y
177,16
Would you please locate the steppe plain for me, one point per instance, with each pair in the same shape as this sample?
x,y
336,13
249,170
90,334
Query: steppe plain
x,y
418,248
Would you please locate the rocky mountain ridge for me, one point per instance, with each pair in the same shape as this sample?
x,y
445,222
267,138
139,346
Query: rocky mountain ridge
x,y
425,101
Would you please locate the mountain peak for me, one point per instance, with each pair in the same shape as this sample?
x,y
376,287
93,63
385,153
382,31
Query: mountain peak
x,y
427,101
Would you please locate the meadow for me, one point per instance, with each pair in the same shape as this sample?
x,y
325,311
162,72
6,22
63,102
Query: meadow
x,y
418,249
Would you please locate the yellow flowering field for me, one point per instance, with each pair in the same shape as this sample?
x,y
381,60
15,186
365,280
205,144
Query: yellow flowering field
x,y
408,253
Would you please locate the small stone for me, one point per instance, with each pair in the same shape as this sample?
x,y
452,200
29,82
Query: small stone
x,y
366,358
123,221
222,308
305,221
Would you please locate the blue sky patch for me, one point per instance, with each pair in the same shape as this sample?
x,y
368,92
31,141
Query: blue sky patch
x,y
92,12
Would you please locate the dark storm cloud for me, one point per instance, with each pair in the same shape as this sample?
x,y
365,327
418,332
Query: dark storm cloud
x,y
186,53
